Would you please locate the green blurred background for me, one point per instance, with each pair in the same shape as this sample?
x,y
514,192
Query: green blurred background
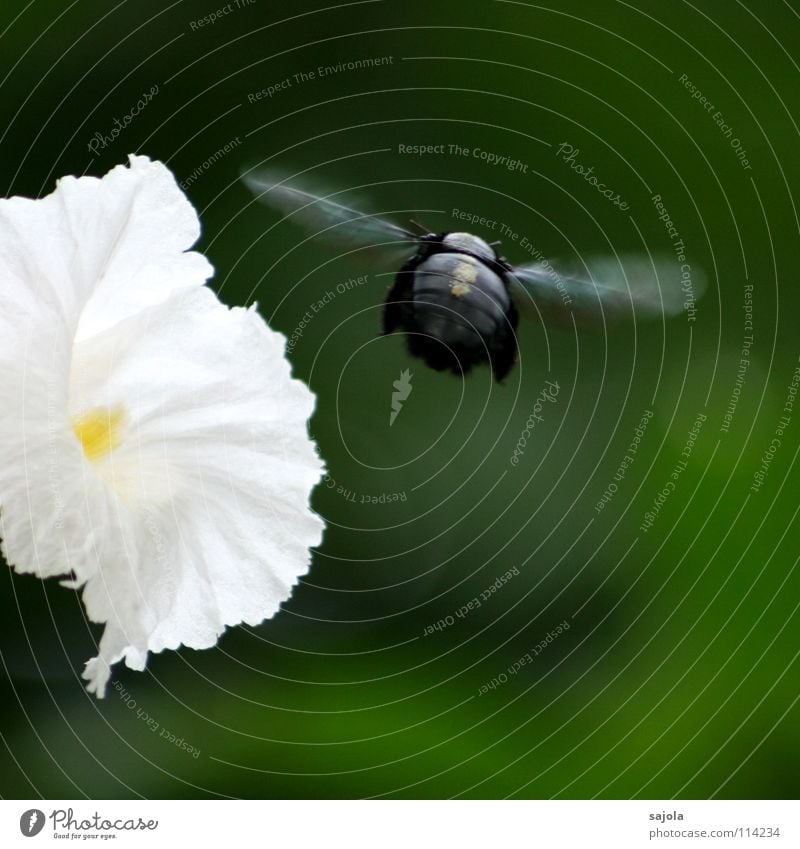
x,y
678,675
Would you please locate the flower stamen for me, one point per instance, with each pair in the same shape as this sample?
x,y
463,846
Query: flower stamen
x,y
99,430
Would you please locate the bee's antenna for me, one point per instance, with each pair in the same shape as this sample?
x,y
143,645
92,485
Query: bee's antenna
x,y
419,226
498,242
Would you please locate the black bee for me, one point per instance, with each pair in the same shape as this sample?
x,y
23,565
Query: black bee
x,y
458,300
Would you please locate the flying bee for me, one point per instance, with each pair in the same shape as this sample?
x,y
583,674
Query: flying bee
x,y
458,301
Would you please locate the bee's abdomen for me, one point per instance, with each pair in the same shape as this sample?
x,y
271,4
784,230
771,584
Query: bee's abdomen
x,y
456,294
460,315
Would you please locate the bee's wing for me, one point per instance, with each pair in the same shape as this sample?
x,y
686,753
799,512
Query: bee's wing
x,y
324,216
605,288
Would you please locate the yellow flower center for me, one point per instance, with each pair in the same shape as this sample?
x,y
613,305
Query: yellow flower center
x,y
100,430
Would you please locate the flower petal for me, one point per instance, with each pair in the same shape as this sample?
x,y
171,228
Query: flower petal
x,y
97,250
200,518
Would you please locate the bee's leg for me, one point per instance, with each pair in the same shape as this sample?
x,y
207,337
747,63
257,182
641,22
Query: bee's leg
x,y
503,347
398,309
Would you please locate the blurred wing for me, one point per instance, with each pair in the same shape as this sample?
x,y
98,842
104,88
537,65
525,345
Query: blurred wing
x,y
323,216
606,288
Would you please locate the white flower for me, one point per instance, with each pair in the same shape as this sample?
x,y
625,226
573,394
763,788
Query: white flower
x,y
152,441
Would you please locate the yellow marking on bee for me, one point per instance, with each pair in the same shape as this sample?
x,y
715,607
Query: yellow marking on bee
x,y
464,275
99,431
